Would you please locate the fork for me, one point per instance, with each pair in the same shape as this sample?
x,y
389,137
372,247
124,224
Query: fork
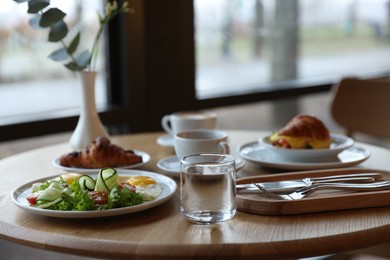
x,y
303,192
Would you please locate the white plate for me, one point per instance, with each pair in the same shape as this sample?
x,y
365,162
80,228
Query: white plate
x,y
258,154
145,159
172,164
165,140
169,187
339,144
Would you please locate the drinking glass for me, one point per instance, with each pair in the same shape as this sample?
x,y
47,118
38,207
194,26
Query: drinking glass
x,y
208,188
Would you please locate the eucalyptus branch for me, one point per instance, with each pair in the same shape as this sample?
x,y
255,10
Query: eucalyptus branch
x,y
95,49
52,18
112,11
67,48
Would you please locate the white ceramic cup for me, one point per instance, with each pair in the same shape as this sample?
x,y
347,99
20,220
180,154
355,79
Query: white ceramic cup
x,y
200,141
188,120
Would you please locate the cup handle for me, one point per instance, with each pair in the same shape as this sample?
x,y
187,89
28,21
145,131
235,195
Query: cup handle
x,y
165,123
224,147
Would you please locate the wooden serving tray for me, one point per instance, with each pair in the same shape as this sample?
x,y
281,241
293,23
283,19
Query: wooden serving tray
x,y
321,200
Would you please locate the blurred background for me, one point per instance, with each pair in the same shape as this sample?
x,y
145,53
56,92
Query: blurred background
x,y
240,46
266,59
256,63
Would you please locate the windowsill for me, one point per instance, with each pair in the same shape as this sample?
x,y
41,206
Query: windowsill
x,y
299,84
45,116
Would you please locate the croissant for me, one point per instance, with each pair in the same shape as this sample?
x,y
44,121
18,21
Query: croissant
x,y
303,132
101,153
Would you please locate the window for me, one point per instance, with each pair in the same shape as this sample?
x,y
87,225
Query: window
x,y
175,55
32,86
247,45
40,96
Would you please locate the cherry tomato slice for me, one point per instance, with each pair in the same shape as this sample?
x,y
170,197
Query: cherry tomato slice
x,y
127,186
32,198
99,197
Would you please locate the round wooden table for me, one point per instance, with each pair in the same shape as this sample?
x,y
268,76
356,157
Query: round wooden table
x,y
162,232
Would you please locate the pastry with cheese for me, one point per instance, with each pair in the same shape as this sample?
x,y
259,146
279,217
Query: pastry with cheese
x,y
100,154
302,132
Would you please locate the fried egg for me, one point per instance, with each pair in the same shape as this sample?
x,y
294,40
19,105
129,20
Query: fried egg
x,y
149,192
70,177
301,142
141,180
146,186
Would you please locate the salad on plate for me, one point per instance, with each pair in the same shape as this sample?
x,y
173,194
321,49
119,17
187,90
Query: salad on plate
x,y
78,192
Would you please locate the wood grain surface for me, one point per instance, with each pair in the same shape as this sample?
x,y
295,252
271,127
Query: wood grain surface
x,y
321,200
162,232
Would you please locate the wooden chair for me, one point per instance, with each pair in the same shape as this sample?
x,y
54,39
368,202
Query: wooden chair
x,y
362,106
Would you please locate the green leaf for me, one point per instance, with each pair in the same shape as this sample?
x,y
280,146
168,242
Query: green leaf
x,y
51,16
58,31
73,45
59,55
34,22
34,6
72,66
83,59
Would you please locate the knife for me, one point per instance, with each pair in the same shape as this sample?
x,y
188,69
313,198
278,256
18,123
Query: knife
x,y
290,185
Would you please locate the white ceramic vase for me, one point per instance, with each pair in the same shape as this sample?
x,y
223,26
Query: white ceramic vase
x,y
89,126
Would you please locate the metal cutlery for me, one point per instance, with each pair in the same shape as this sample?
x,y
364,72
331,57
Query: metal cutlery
x,y
303,192
290,185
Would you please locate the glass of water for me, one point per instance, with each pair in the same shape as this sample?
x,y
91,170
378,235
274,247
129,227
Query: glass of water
x,y
208,188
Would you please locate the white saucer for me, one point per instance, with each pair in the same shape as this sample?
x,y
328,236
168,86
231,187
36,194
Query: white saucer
x,y
256,153
172,164
165,140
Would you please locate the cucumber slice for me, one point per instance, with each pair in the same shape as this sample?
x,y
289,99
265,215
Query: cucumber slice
x,y
111,181
108,172
87,182
49,204
56,185
101,184
50,194
106,180
110,177
36,186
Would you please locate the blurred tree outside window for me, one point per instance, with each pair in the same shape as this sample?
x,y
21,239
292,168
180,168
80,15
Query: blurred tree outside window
x,y
242,45
30,82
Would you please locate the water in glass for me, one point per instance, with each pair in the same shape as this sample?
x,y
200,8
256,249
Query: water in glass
x,y
208,191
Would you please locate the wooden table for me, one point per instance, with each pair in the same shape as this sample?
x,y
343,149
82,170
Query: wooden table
x,y
163,232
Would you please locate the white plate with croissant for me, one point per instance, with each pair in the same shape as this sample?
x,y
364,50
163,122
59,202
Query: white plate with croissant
x,y
145,159
256,153
338,144
306,138
101,154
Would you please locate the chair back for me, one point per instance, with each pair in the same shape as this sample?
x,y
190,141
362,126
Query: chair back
x,y
363,106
